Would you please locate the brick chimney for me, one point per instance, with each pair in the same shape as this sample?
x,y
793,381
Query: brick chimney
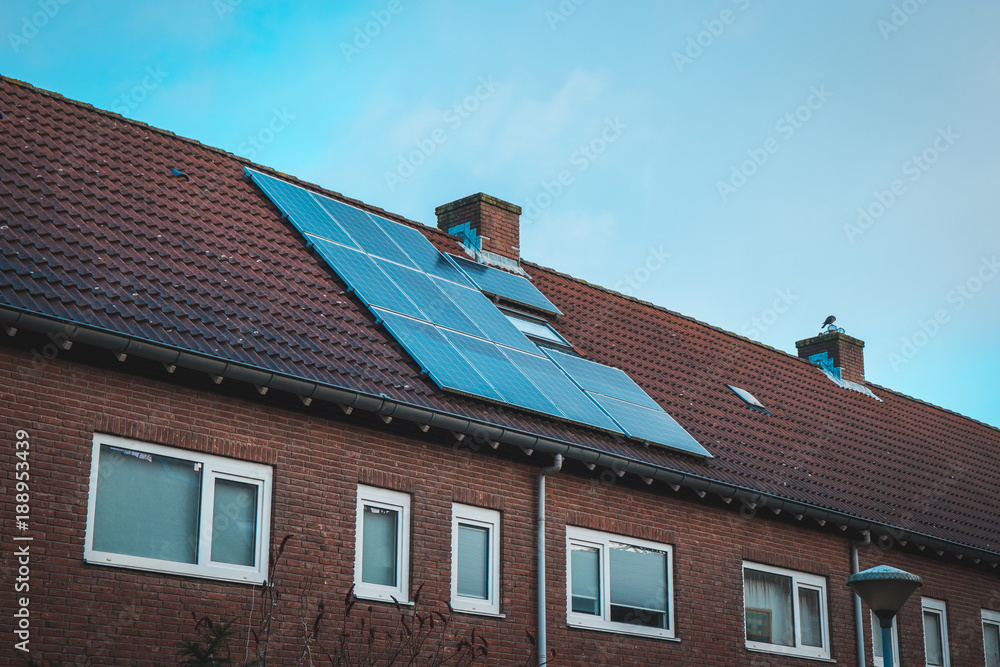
x,y
837,351
487,223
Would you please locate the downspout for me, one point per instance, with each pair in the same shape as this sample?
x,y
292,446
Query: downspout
x,y
556,467
859,620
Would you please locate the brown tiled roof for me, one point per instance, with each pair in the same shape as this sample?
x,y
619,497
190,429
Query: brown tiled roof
x,y
96,230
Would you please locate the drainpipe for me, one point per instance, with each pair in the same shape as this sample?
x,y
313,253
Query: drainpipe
x,y
859,620
556,467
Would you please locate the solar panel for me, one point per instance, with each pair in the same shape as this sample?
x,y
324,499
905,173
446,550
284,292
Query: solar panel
x,y
437,308
436,356
365,278
572,403
485,316
653,426
494,365
602,379
422,253
504,285
299,206
366,233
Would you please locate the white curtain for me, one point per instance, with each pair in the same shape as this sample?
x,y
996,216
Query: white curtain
x,y
809,617
991,635
638,586
378,555
585,565
933,648
473,561
147,505
234,522
771,593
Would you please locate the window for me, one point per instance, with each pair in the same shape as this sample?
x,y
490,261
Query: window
x,y
475,559
877,642
618,584
382,545
539,331
176,511
935,633
785,611
991,637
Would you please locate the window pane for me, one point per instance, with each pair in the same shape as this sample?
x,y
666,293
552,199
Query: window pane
x,y
809,617
932,638
768,599
638,586
234,522
378,550
585,565
473,561
991,638
147,505
877,635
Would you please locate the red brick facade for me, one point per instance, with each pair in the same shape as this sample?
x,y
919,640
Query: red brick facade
x,y
123,616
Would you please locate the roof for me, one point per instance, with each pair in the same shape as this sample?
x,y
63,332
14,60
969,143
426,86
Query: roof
x,y
98,231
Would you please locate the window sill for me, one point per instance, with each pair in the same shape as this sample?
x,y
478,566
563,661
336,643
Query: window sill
x,y
791,655
487,614
616,631
386,600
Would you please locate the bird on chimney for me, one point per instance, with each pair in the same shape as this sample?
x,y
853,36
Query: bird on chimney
x,y
828,323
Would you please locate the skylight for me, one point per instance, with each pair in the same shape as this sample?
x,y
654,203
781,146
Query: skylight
x,y
747,397
536,330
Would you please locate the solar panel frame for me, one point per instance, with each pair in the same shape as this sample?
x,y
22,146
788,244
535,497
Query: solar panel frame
x,y
606,380
422,252
367,234
653,426
491,362
504,285
571,401
436,306
436,356
489,320
363,277
301,208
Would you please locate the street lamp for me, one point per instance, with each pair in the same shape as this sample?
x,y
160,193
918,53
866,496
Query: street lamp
x,y
884,589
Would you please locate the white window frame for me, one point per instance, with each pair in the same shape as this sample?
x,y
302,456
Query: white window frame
x,y
799,580
939,607
989,618
391,500
480,518
877,632
213,468
593,539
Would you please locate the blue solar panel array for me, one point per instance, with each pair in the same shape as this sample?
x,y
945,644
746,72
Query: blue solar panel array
x,y
456,335
504,285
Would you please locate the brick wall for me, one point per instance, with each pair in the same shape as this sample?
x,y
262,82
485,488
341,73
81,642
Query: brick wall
x,y
123,616
846,352
493,218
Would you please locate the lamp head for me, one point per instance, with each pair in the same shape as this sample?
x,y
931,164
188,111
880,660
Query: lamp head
x,y
885,589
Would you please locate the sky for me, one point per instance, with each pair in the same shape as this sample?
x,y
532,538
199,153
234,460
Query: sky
x,y
756,165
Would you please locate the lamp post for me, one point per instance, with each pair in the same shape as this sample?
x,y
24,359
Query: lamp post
x,y
884,589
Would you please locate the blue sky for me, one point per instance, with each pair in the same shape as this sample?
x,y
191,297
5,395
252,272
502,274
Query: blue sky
x,y
788,160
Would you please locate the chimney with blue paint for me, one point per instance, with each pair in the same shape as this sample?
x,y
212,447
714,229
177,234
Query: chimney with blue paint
x,y
485,224
839,353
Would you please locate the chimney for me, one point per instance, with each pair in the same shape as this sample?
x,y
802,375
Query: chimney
x,y
485,223
839,353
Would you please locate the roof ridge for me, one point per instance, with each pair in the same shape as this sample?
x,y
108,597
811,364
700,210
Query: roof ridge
x,y
733,334
239,158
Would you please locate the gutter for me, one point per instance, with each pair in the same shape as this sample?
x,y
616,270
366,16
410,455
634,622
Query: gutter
x,y
554,468
122,345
